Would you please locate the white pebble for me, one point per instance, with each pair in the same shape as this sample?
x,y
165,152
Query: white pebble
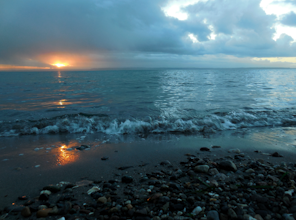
x,y
36,149
37,166
21,154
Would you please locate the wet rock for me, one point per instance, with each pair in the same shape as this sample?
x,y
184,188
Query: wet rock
x,y
258,217
43,213
102,200
22,197
52,188
202,168
144,211
43,197
213,215
276,154
127,179
213,171
228,165
83,147
215,146
204,149
196,210
166,162
237,151
231,213
26,212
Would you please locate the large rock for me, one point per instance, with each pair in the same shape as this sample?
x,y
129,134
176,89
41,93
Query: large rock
x,y
228,165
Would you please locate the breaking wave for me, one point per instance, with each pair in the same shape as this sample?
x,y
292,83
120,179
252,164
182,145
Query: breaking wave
x,y
83,123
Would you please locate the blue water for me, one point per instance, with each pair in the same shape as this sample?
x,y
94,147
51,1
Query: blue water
x,y
146,101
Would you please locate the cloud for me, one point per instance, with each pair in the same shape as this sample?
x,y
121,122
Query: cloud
x,y
111,33
289,19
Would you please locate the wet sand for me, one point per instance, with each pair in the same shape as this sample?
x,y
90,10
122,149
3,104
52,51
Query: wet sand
x,y
20,176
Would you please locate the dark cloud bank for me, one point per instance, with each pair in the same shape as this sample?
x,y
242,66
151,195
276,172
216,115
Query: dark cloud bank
x,y
131,31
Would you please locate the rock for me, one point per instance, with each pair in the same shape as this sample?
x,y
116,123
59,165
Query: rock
x,y
213,215
102,200
22,197
231,213
202,168
26,212
216,146
143,211
129,206
43,197
127,179
43,213
166,162
258,217
83,147
237,151
288,217
196,210
104,158
250,171
204,149
54,211
166,206
113,210
156,196
228,165
276,154
213,171
53,189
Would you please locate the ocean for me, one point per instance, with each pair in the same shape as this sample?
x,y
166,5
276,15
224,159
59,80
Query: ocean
x,y
144,102
66,126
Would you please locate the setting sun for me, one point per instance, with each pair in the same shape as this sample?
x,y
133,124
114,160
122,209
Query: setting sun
x,y
58,65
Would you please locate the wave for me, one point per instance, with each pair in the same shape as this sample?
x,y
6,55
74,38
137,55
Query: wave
x,y
87,123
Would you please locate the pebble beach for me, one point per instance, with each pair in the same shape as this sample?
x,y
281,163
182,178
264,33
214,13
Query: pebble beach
x,y
201,185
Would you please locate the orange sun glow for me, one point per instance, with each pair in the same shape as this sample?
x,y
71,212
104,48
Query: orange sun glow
x,y
59,65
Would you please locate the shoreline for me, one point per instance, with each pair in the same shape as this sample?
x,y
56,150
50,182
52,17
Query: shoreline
x,y
30,180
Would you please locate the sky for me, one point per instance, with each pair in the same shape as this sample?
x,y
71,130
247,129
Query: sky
x,y
94,34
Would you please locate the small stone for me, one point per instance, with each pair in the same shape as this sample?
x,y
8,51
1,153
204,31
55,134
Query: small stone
x,y
43,213
53,189
129,206
102,199
127,179
166,206
104,158
196,210
258,217
213,171
215,146
204,149
250,171
276,154
26,212
22,197
113,210
213,215
228,165
202,168
231,213
237,151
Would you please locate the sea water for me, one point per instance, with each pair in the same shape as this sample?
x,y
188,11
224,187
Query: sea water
x,y
156,101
